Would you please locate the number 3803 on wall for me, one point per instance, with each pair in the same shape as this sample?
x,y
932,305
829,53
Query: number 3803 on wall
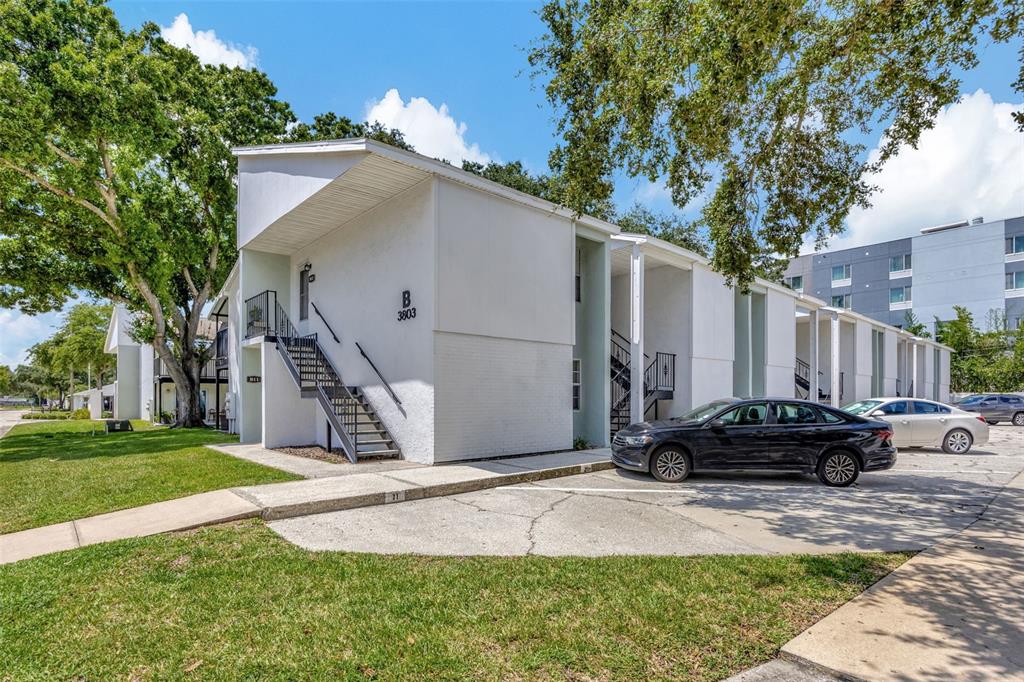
x,y
408,312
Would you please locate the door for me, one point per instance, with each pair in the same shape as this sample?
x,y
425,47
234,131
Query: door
x,y
989,408
898,414
928,423
737,438
793,436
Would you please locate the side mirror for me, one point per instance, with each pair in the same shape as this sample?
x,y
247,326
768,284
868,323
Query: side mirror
x,y
716,424
876,413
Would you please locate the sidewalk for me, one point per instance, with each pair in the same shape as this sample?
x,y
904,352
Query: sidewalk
x,y
954,611
297,498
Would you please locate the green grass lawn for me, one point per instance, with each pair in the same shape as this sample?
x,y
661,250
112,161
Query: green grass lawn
x,y
237,602
58,471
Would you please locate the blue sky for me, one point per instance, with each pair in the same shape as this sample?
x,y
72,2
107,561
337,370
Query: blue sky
x,y
470,58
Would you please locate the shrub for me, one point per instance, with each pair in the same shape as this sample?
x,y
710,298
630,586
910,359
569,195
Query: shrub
x,y
80,413
47,415
580,443
166,417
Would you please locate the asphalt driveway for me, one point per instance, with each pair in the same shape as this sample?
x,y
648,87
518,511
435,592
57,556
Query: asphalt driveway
x,y
928,496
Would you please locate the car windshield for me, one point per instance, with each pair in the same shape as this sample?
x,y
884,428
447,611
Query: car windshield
x,y
971,400
862,406
704,411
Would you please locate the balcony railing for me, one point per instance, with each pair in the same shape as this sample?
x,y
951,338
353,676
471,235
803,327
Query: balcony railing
x,y
208,370
261,314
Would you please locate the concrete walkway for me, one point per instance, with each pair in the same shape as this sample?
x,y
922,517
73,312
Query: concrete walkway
x,y
953,612
307,467
297,498
9,419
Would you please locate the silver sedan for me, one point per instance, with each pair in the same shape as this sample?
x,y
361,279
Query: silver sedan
x,y
925,423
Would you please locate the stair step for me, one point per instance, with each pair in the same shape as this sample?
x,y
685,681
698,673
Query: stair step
x,y
376,453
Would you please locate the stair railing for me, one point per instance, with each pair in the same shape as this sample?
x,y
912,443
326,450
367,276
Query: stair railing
x,y
324,320
387,386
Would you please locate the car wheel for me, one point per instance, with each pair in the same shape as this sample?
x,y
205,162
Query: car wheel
x,y
838,469
670,464
1018,419
991,422
957,442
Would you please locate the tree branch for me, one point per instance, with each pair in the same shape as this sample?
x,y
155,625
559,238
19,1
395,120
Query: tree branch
x,y
45,184
191,285
64,155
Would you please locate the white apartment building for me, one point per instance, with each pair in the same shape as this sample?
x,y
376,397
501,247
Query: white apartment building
x,y
388,304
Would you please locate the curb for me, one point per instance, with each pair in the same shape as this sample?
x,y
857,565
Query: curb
x,y
414,492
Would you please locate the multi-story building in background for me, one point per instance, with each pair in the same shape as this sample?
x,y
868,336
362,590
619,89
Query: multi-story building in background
x,y
973,264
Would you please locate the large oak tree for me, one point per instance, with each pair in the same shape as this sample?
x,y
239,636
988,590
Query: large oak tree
x,y
116,175
754,108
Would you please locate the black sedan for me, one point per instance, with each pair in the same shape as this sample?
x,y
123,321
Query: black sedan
x,y
781,434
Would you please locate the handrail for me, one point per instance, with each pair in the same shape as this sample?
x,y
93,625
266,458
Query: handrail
x,y
322,319
390,390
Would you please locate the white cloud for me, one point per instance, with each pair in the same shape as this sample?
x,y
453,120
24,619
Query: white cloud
x,y
970,164
19,331
206,45
431,130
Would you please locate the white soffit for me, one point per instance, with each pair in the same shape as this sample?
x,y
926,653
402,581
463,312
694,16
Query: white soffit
x,y
361,188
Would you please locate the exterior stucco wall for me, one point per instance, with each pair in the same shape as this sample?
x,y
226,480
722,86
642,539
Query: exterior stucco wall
x,y
863,361
780,344
504,326
361,270
668,318
959,267
288,418
891,362
592,345
127,388
270,186
712,337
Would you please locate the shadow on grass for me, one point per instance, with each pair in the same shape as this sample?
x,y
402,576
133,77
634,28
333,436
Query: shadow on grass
x,y
79,444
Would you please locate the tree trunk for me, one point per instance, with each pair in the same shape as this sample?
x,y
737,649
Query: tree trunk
x,y
190,409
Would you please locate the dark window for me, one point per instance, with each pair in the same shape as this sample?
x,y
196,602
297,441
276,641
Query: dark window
x,y
577,380
830,417
898,407
921,407
990,401
795,413
303,294
746,415
945,410
579,275
1010,399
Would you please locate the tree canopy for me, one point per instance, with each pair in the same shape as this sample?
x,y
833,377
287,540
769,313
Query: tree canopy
x,y
991,360
752,108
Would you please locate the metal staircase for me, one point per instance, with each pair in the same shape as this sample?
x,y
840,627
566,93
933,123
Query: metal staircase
x,y
802,378
359,429
659,382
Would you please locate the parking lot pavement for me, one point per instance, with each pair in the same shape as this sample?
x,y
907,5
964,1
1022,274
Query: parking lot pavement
x,y
927,496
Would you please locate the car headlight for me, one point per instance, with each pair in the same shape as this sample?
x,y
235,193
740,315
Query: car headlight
x,y
634,441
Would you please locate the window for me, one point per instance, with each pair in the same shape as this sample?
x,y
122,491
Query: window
x,y
900,295
795,413
579,274
746,415
1014,280
1011,400
304,293
921,407
898,407
796,282
576,383
841,301
899,263
830,417
840,272
1015,244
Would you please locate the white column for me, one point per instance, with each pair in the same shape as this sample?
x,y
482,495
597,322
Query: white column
x,y
834,344
636,335
913,373
812,358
